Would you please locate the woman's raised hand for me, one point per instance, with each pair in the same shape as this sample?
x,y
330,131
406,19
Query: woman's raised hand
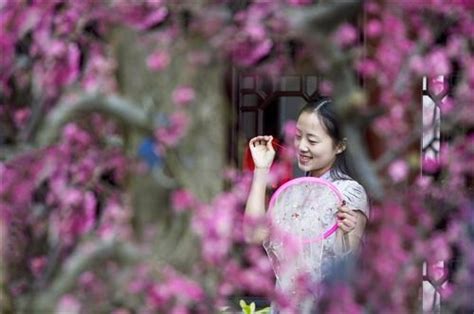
x,y
262,151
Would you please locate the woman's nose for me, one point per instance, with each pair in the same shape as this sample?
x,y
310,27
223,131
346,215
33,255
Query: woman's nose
x,y
302,147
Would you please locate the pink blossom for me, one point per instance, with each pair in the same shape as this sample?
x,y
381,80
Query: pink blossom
x,y
438,63
8,53
279,172
76,217
373,28
21,117
67,22
289,129
98,73
424,182
155,17
158,60
183,95
68,304
447,290
345,35
437,85
438,249
250,45
87,279
326,88
346,301
367,67
446,105
62,67
454,46
136,286
185,289
177,127
182,200
173,287
430,165
143,16
74,135
398,170
37,265
71,197
417,65
288,153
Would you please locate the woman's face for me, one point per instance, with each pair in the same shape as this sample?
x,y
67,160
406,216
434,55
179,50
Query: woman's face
x,y
316,149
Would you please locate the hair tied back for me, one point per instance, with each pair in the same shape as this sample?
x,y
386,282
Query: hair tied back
x,y
322,104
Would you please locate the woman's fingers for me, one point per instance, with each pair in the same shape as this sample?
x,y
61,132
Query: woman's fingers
x,y
346,219
344,208
269,144
346,226
264,140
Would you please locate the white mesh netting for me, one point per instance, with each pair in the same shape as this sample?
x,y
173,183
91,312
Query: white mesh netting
x,y
301,213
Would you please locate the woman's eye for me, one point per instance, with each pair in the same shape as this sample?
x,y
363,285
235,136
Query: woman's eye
x,y
312,142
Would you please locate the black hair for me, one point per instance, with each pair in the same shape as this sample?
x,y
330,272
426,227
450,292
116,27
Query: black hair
x,y
323,108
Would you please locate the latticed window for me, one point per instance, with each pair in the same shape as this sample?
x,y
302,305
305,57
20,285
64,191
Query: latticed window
x,y
262,105
435,275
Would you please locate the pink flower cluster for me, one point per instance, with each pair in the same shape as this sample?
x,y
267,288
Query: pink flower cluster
x,y
174,288
345,35
182,200
183,95
173,131
57,37
142,15
158,60
252,40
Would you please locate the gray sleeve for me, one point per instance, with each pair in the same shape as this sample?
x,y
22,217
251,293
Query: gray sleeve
x,y
356,197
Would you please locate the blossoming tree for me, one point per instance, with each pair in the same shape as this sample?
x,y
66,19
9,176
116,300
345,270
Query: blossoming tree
x,y
116,195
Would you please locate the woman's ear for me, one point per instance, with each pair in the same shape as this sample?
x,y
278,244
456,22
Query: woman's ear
x,y
341,146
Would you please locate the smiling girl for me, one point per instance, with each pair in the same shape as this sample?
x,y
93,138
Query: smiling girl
x,y
320,149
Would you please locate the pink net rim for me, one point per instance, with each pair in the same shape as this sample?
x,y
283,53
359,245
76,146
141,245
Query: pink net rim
x,y
292,182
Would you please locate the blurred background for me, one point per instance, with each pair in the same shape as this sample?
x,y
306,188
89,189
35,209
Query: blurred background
x,y
123,149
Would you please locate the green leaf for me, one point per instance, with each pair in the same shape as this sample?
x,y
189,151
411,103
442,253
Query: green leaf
x,y
247,308
265,310
252,307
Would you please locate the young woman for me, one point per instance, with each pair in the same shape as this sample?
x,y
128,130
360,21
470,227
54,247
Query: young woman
x,y
320,153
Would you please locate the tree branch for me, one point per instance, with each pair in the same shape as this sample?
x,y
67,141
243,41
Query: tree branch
x,y
364,169
389,156
114,106
324,17
77,264
347,94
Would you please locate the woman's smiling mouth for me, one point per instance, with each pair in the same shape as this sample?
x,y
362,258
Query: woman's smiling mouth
x,y
303,159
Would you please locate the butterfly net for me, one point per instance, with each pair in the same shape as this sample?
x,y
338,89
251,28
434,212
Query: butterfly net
x,y
301,215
